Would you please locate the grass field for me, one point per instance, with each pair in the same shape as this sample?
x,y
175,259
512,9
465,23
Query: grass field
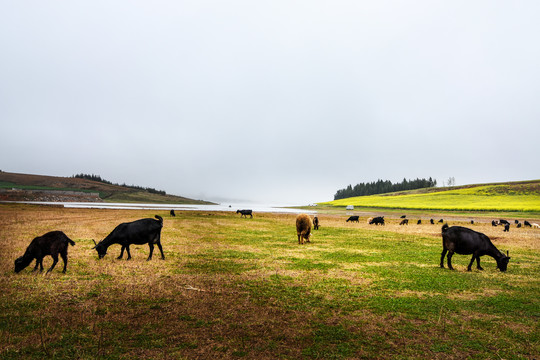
x,y
243,288
521,196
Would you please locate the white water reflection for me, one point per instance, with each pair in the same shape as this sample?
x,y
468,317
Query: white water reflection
x,y
289,209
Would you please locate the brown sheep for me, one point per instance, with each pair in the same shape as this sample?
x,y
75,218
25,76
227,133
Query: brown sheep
x,y
303,227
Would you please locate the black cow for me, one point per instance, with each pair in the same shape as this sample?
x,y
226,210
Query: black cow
x,y
143,231
354,218
315,223
379,220
245,213
404,222
172,213
52,243
464,241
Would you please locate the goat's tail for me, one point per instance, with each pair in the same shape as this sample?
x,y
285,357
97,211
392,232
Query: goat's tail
x,y
444,228
159,218
71,242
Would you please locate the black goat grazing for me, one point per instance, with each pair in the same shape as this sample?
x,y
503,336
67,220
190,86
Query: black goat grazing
x,y
516,222
144,231
404,222
419,222
506,227
464,241
494,223
52,243
403,216
245,213
440,221
315,223
379,220
526,223
172,213
354,218
519,225
472,222
432,222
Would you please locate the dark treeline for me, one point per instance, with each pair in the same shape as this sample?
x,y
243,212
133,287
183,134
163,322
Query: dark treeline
x,y
99,179
382,186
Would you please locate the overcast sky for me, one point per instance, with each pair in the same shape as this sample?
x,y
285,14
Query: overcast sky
x,y
270,101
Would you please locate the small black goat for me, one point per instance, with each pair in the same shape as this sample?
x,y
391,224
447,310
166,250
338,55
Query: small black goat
x,y
52,243
404,222
315,223
172,213
464,241
245,213
354,218
138,232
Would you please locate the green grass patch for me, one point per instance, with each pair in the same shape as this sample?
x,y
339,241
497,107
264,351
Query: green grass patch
x,y
496,197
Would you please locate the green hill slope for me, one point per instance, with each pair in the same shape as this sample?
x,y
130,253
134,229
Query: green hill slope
x,y
513,196
44,188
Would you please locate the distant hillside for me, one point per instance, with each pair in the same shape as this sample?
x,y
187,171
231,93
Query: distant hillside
x,y
510,196
26,187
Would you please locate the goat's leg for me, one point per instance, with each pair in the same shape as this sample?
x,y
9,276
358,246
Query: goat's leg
x,y
55,260
449,259
122,252
128,252
37,264
478,263
151,246
64,257
442,257
40,264
161,250
470,263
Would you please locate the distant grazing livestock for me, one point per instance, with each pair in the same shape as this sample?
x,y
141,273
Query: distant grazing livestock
x,y
535,225
526,223
472,222
440,221
516,222
506,227
404,222
503,222
138,232
464,241
369,220
354,218
379,220
403,216
315,223
245,213
432,222
52,243
518,225
303,228
172,213
419,222
494,223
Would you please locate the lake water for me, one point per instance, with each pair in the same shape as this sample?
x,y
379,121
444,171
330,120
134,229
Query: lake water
x,y
289,209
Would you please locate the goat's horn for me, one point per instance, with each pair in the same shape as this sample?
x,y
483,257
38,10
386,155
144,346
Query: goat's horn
x,y
94,244
507,253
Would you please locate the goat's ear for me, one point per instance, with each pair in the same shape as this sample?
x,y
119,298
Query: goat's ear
x,y
507,253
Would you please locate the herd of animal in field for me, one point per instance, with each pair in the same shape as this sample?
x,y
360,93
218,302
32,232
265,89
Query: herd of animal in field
x,y
456,239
